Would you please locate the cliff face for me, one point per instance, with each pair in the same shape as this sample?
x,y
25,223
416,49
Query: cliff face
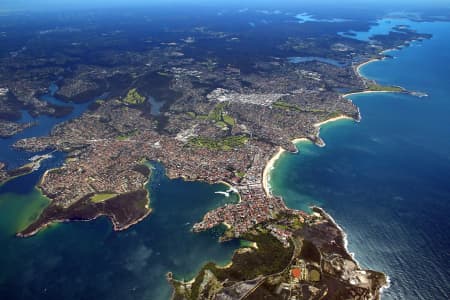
x,y
293,255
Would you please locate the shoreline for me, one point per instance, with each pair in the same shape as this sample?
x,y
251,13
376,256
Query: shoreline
x,y
341,117
232,189
387,285
352,254
268,168
358,67
271,163
367,92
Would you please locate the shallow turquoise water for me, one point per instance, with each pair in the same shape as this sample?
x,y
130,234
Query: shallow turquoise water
x,y
386,180
88,260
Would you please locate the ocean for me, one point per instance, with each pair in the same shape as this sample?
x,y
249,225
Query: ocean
x,y
386,179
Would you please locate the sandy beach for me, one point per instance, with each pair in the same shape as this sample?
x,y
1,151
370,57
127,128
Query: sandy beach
x,y
268,169
228,265
270,164
341,117
358,68
295,141
231,188
367,92
228,226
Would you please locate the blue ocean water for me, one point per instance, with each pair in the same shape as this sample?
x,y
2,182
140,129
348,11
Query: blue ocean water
x,y
386,180
382,27
43,127
88,260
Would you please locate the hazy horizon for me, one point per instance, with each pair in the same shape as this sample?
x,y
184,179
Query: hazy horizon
x,y
45,5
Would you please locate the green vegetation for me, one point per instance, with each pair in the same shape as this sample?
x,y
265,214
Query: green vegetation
x,y
246,244
282,226
219,116
202,117
384,88
134,98
270,257
97,198
122,137
191,114
216,113
296,223
221,124
21,171
334,114
294,107
239,174
314,275
228,120
286,106
288,218
310,252
126,136
227,143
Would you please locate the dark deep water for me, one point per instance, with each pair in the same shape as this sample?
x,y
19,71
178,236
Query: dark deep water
x,y
88,260
386,180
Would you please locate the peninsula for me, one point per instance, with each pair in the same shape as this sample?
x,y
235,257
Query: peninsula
x,y
209,112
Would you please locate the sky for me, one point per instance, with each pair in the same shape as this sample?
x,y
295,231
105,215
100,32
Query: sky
x,y
6,5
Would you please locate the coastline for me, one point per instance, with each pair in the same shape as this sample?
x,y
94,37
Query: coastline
x,y
358,71
358,67
268,168
341,117
232,189
367,92
270,164
345,241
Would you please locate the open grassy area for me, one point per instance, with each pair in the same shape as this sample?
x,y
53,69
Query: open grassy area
x,y
239,174
126,136
334,115
97,198
379,88
294,107
216,113
221,124
134,98
286,106
219,116
227,143
228,120
191,114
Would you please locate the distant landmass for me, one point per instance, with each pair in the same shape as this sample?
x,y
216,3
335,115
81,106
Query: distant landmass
x,y
216,103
